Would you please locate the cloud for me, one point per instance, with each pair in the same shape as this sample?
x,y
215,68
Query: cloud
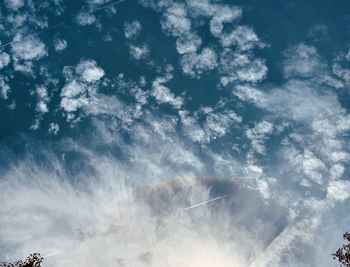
x,y
259,134
43,99
318,32
241,67
223,14
54,128
139,52
182,22
4,87
109,204
194,64
175,21
85,18
28,48
60,44
339,190
162,94
243,37
4,59
188,43
302,61
276,154
293,101
132,29
74,96
14,4
89,71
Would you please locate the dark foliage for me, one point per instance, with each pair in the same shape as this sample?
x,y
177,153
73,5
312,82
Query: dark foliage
x,y
343,253
33,260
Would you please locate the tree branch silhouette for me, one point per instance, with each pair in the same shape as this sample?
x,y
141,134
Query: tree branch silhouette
x,y
343,253
33,260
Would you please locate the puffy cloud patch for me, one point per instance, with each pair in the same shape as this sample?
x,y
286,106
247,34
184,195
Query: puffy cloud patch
x,y
162,94
241,67
243,37
28,48
194,64
85,18
74,96
139,52
218,124
313,167
89,70
14,4
259,134
223,14
302,61
4,87
293,100
181,21
43,99
175,20
191,127
4,60
188,43
54,128
132,29
60,44
339,190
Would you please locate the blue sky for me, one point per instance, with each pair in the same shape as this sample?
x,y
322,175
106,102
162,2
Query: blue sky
x,y
120,117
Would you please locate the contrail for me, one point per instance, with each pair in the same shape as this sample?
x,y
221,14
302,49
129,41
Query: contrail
x,y
108,5
53,254
204,202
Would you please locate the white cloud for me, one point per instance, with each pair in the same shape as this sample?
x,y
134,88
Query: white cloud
x,y
54,128
4,87
219,124
14,4
216,123
139,52
191,127
188,43
114,207
89,70
163,94
313,167
201,8
43,99
60,44
28,48
223,14
293,100
132,29
259,134
337,171
339,190
194,64
241,67
341,72
243,37
74,96
175,21
4,60
85,18
302,61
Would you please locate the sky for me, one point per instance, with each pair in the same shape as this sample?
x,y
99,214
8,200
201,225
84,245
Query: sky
x,y
171,133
